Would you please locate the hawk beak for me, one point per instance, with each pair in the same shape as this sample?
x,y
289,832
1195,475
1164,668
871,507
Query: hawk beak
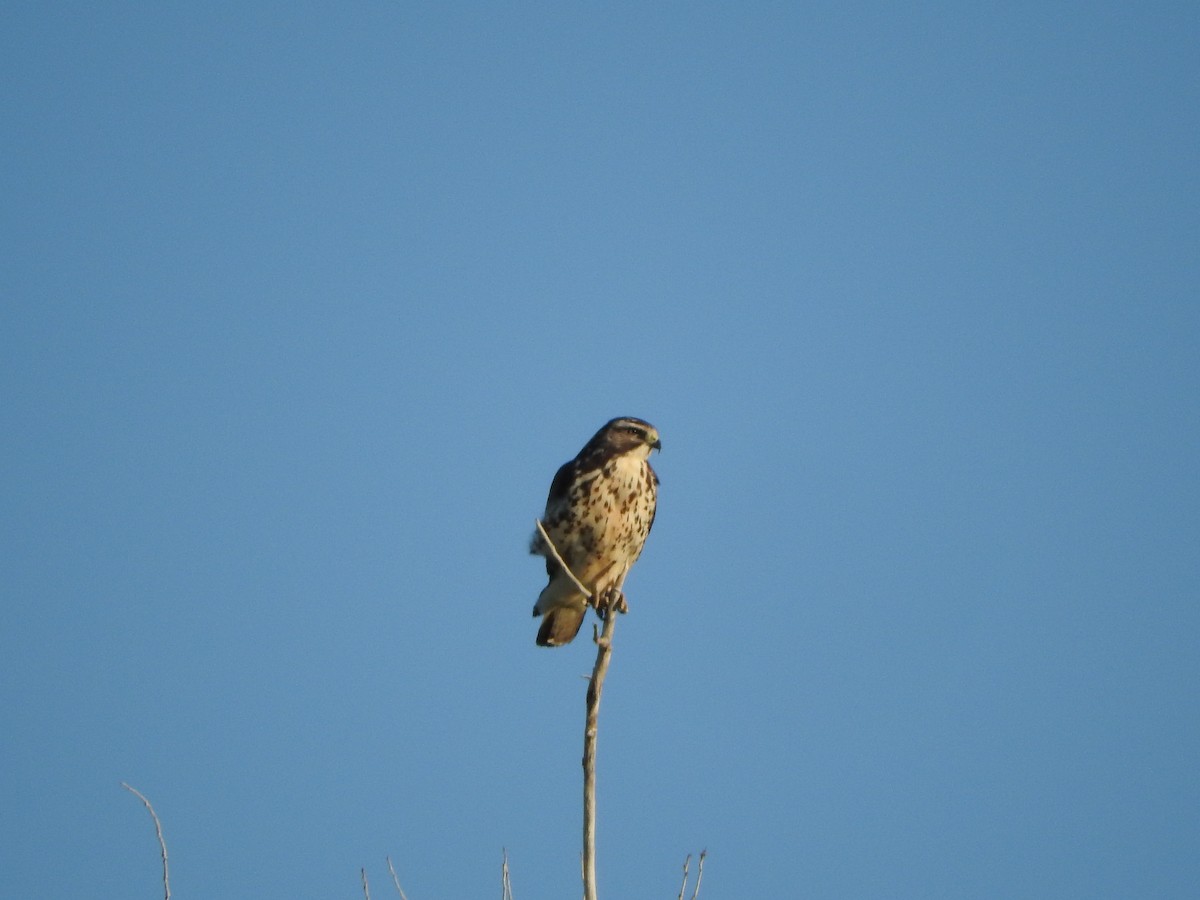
x,y
657,445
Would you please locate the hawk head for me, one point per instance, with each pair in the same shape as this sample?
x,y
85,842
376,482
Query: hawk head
x,y
624,435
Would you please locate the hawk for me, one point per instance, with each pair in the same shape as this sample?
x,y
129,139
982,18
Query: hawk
x,y
598,514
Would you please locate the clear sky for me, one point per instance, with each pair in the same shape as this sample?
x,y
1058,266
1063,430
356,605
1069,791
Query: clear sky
x,y
304,303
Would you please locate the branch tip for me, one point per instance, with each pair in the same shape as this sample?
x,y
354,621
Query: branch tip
x,y
162,844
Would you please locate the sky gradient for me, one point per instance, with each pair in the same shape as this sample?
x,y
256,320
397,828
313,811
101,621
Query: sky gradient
x,y
305,303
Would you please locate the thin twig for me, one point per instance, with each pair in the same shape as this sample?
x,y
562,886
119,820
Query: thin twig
x,y
591,726
699,874
366,887
162,844
395,880
505,884
683,887
558,559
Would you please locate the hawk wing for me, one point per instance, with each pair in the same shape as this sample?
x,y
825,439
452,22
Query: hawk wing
x,y
560,492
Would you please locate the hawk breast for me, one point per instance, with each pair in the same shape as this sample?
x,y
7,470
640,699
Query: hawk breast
x,y
601,519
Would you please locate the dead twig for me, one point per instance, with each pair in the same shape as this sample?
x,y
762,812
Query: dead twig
x,y
683,887
395,880
699,874
162,844
505,884
558,559
366,887
591,727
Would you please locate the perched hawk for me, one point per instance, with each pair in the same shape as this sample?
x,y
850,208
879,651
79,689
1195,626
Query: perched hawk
x,y
599,511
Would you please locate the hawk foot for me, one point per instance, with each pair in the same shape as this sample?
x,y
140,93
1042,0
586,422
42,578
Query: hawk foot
x,y
611,599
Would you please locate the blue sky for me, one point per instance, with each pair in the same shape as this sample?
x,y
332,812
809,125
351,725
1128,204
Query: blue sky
x,y
305,303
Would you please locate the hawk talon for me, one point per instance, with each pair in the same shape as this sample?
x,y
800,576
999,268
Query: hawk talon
x,y
620,605
611,599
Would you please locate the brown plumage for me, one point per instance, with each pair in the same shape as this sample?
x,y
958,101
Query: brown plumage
x,y
599,512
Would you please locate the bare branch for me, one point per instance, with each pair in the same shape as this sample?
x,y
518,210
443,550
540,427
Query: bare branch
x,y
162,844
699,874
366,887
683,887
609,601
395,880
558,559
505,884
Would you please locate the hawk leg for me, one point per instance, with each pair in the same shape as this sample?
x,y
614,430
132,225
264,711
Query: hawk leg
x,y
611,599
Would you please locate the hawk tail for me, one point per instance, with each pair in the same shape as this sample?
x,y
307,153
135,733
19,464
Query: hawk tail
x,y
560,625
